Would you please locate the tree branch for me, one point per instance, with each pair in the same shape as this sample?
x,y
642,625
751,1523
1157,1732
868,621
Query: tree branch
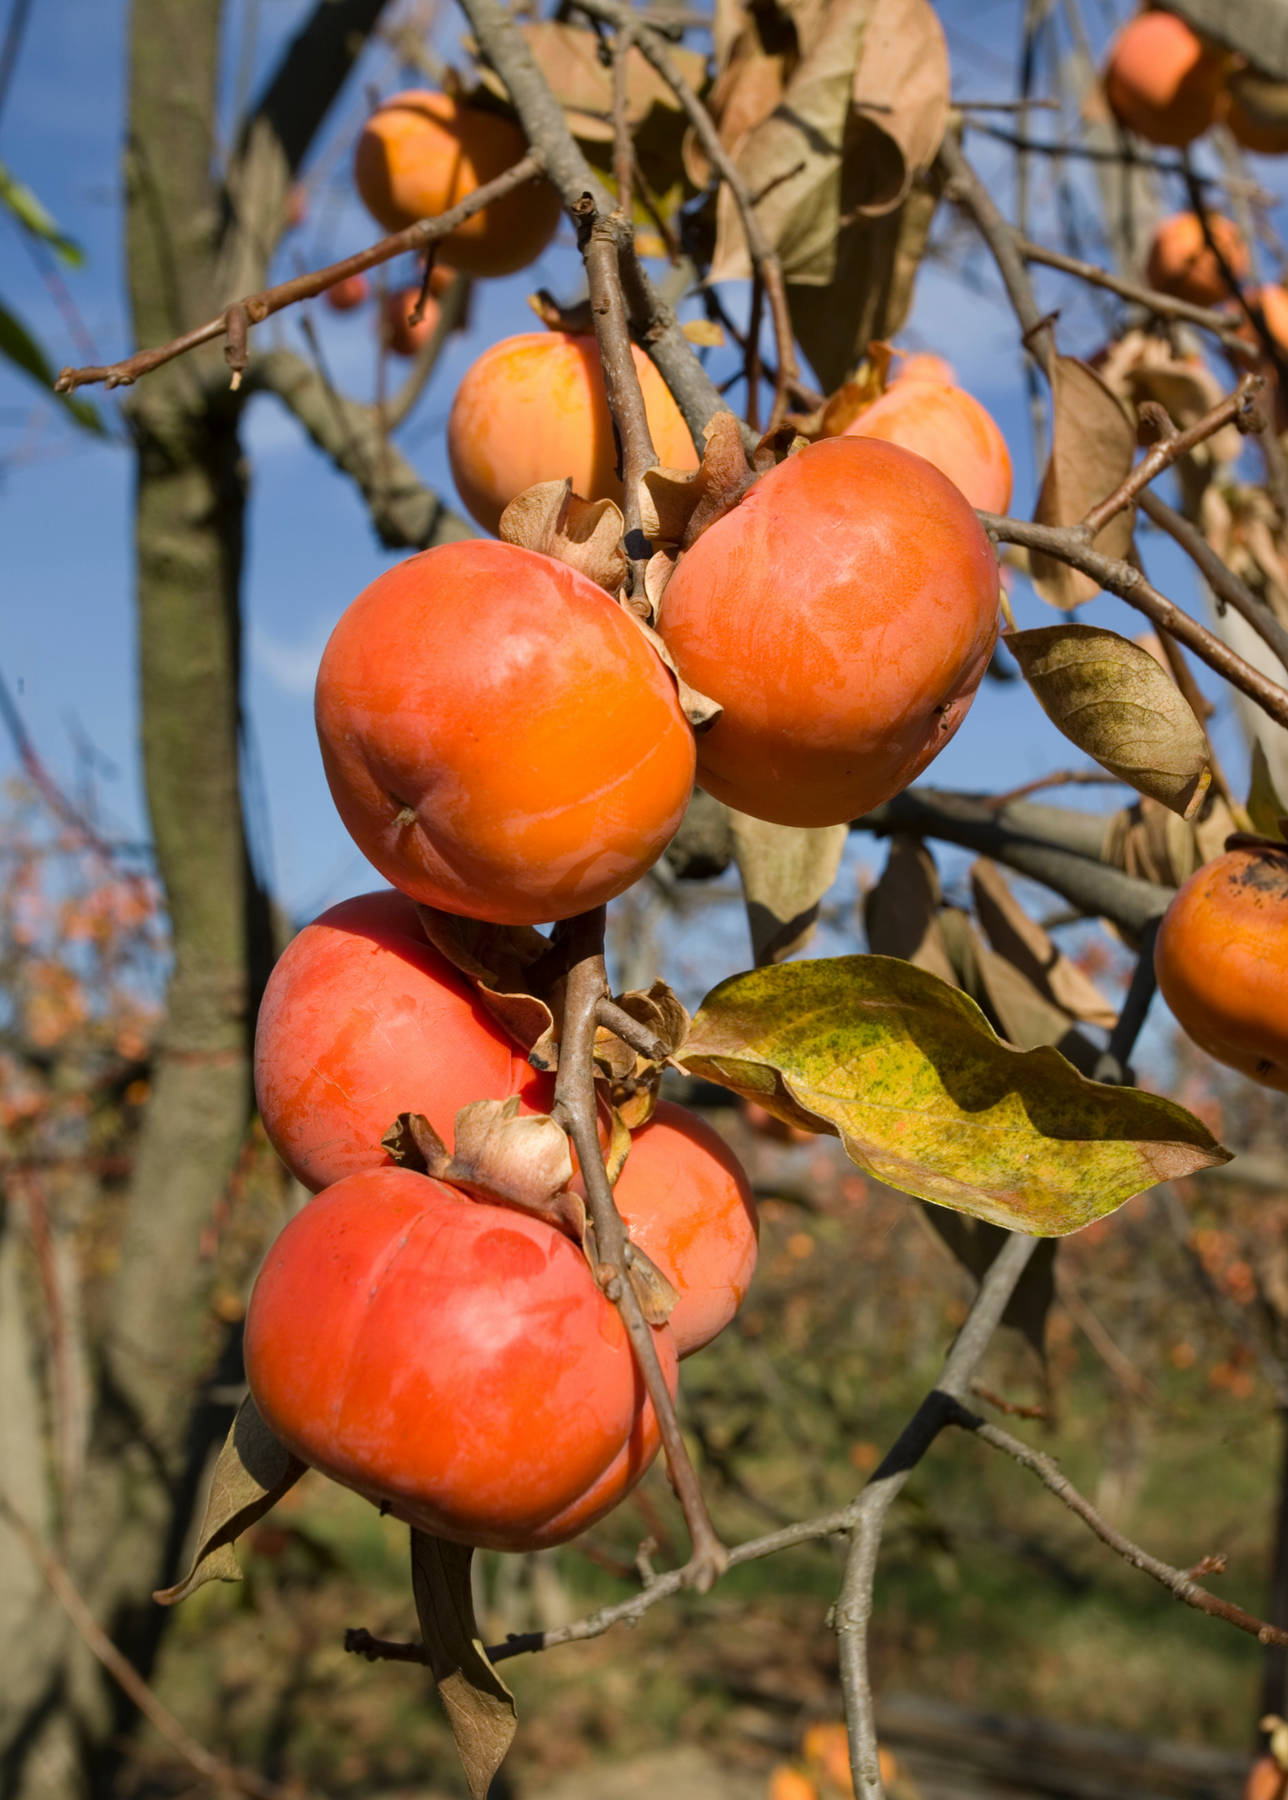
x,y
1166,306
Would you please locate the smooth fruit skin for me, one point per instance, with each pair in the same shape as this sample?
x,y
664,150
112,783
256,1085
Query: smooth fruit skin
x,y
421,153
686,1201
498,737
843,614
1181,262
920,365
949,427
1221,957
450,1359
533,408
1266,1780
344,296
1162,81
361,1020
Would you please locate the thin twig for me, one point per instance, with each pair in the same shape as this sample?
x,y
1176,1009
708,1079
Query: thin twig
x,y
764,257
253,309
1178,1582
636,1036
1166,306
1004,242
1239,408
575,1108
1067,545
623,149
211,1767
1224,583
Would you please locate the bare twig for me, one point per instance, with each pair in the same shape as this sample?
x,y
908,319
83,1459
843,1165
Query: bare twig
x,y
1178,1582
763,256
212,1768
1068,545
575,1108
623,149
1004,241
255,308
1166,306
639,1038
1239,408
1224,583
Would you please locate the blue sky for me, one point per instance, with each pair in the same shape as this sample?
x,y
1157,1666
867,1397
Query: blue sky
x,y
66,629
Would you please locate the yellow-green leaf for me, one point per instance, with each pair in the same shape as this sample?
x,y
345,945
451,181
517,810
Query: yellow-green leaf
x,y
924,1096
1111,699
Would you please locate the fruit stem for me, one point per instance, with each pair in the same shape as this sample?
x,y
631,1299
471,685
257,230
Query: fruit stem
x,y
585,988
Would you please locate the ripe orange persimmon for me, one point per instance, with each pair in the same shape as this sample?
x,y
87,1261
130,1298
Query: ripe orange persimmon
x,y
1266,1780
787,1783
843,614
400,335
533,408
421,153
920,365
451,1360
949,427
344,296
361,1020
1182,263
498,737
1162,81
1221,957
687,1203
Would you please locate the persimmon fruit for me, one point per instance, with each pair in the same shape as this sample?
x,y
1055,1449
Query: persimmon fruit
x,y
686,1201
1221,957
1162,81
949,427
1181,262
1266,1780
498,737
920,365
533,408
421,153
400,335
361,1020
842,613
347,295
453,1361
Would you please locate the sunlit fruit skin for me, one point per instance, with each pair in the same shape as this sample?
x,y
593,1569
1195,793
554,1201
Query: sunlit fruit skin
x,y
498,737
843,614
344,296
452,1360
1162,81
361,1020
949,427
920,365
1182,263
686,1202
421,153
400,335
1266,1780
1221,957
533,408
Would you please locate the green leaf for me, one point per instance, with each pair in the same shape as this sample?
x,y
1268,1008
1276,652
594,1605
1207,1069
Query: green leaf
x,y
480,1707
18,199
1111,699
1267,813
925,1097
19,347
251,1475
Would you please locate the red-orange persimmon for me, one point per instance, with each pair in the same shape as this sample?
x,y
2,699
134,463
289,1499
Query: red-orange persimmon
x,y
362,1019
843,614
498,737
450,1360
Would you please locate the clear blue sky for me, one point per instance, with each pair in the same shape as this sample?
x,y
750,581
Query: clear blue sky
x,y
66,627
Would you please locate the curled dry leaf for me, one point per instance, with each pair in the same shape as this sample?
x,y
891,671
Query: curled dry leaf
x,y
1093,447
1150,841
585,534
1141,366
634,1090
706,334
1110,698
581,79
901,99
901,911
504,964
699,709
480,1707
786,870
1025,945
1013,1005
677,505
252,1473
908,1074
501,1156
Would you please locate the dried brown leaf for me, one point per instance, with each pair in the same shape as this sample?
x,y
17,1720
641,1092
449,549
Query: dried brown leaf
x,y
503,962
900,95
480,1708
1111,699
1023,943
582,80
699,709
786,870
252,1473
517,1159
1265,810
901,913
585,534
677,505
1092,451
